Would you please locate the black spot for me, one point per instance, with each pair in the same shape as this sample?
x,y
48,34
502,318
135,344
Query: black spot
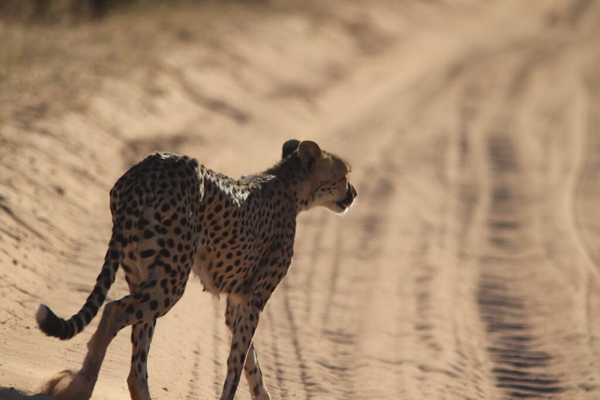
x,y
147,253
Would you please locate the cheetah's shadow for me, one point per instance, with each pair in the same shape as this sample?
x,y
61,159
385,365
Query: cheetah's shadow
x,y
14,394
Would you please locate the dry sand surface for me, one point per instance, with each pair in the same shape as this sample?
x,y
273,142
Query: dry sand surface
x,y
468,269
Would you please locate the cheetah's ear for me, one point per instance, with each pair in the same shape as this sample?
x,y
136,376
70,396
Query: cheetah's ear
x,y
309,153
289,147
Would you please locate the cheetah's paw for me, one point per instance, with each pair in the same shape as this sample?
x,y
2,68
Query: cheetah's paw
x,y
68,385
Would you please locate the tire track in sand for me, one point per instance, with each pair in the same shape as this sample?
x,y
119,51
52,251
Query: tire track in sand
x,y
514,346
306,380
351,290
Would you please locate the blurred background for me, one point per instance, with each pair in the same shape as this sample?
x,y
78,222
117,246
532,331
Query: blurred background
x,y
468,269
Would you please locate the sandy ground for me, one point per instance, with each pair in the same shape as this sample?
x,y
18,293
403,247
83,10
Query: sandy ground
x,y
470,267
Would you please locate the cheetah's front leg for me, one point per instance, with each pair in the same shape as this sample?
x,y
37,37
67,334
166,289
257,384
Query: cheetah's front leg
x,y
244,320
254,376
252,366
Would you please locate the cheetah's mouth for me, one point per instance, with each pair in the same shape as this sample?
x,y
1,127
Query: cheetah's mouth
x,y
344,204
347,202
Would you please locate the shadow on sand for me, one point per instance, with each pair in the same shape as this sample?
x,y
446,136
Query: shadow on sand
x,y
14,394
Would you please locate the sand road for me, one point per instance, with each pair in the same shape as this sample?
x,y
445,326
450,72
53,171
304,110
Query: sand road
x,y
468,269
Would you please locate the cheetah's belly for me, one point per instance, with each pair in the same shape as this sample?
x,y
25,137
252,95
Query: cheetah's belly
x,y
203,265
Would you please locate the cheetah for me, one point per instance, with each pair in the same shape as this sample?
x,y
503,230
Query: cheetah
x,y
172,216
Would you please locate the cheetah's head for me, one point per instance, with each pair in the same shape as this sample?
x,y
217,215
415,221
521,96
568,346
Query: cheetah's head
x,y
325,180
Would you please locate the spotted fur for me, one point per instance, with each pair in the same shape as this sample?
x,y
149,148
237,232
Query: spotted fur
x,y
172,216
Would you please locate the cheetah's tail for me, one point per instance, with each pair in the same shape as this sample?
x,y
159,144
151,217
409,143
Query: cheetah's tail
x,y
63,329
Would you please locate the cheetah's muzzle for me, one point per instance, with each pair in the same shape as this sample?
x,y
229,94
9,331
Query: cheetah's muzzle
x,y
349,199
